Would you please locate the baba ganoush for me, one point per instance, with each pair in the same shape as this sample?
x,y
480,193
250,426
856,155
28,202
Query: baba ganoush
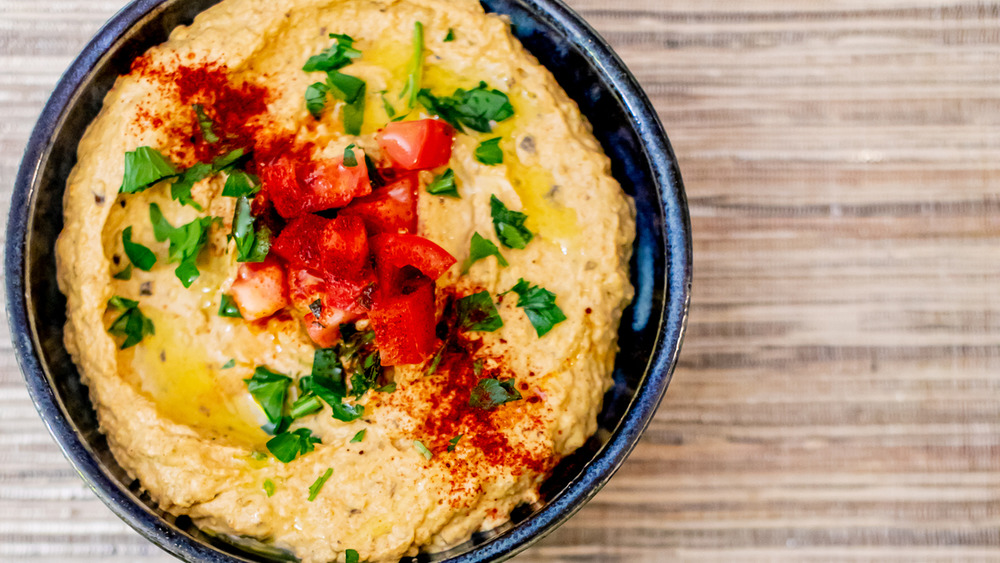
x,y
343,276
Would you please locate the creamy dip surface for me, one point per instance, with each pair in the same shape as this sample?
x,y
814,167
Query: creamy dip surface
x,y
422,468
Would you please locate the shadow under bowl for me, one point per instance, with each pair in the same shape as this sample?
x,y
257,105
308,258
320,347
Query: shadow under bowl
x,y
650,336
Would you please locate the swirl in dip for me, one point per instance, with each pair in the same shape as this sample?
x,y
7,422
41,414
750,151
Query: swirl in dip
x,y
343,276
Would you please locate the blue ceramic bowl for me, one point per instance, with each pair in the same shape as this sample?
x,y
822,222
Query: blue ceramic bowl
x,y
624,122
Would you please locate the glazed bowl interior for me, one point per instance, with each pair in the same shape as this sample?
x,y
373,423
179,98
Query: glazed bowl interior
x,y
650,335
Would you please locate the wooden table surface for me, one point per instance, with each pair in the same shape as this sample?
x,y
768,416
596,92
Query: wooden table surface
x,y
838,394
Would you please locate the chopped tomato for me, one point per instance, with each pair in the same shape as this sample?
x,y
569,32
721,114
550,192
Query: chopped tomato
x,y
299,187
335,296
417,145
395,251
334,249
391,209
326,334
404,322
260,289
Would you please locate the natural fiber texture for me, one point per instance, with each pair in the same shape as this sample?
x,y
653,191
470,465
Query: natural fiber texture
x,y
838,396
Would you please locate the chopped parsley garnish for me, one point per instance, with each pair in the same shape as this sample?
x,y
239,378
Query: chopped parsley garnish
x,y
509,225
489,152
228,308
269,389
365,377
142,257
180,190
305,405
491,393
230,160
337,56
450,37
444,185
144,167
205,124
422,449
252,245
230,364
351,90
477,312
351,556
415,69
432,366
540,306
316,98
131,324
186,242
240,184
269,487
390,111
481,248
476,109
477,367
327,382
350,159
287,446
359,436
453,443
387,388
318,484
125,274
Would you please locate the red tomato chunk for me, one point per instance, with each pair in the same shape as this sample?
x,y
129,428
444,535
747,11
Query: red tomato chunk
x,y
417,145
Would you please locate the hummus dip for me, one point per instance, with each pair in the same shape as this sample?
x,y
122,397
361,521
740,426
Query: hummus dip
x,y
196,362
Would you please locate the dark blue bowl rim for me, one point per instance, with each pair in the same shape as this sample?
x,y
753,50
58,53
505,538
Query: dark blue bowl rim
x,y
677,241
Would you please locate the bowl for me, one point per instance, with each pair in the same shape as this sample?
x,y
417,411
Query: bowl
x,y
652,328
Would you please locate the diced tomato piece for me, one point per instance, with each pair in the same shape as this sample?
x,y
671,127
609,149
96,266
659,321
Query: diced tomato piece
x,y
326,334
335,296
391,209
335,249
404,323
417,145
395,251
296,188
260,289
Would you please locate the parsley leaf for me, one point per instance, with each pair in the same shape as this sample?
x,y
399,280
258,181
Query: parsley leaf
x,y
228,308
359,436
387,388
142,257
415,69
125,274
252,245
327,383
186,242
180,190
351,90
351,556
144,167
337,56
444,185
477,312
422,449
318,484
390,112
230,160
269,389
350,159
450,37
481,248
476,109
540,306
316,98
131,324
269,487
205,124
453,443
509,225
287,446
231,363
241,184
489,152
491,393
